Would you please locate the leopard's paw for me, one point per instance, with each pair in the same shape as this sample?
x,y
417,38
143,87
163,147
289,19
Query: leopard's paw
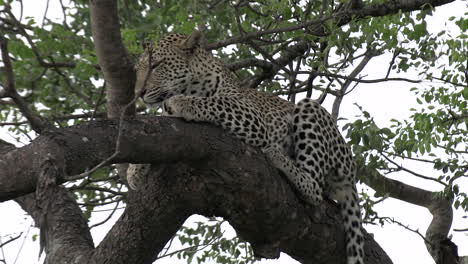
x,y
136,175
173,106
180,106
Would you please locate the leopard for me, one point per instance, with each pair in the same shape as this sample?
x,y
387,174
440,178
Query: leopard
x,y
301,140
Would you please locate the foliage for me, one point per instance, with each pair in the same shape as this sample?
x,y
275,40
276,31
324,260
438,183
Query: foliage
x,y
435,134
206,243
56,71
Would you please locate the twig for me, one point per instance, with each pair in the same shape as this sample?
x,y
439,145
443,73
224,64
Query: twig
x,y
10,240
337,102
213,5
117,147
45,13
399,167
267,56
95,188
22,244
166,248
292,81
395,55
119,134
64,13
96,203
191,248
354,79
410,158
37,123
107,210
452,83
392,220
108,217
98,102
21,10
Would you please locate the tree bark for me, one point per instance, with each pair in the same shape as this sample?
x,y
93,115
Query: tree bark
x,y
205,172
114,60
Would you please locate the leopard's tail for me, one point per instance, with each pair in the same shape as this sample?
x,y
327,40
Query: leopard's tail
x,y
351,214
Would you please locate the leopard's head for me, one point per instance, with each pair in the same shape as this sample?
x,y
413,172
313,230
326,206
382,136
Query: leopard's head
x,y
165,69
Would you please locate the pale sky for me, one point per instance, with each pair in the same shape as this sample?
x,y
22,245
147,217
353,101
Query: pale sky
x,y
384,101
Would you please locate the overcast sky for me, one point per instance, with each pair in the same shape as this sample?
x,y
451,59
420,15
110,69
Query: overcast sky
x,y
384,101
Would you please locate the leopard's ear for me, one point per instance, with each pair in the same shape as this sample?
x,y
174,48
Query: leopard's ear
x,y
192,42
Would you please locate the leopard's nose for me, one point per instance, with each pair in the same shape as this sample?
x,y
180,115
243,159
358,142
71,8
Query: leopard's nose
x,y
163,95
142,92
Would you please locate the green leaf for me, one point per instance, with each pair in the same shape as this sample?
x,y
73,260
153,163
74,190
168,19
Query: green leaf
x,y
419,30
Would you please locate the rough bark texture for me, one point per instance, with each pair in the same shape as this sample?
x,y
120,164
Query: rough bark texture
x,y
114,61
113,57
64,230
206,172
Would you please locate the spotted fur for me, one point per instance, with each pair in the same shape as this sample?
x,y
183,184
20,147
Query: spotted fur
x,y
300,140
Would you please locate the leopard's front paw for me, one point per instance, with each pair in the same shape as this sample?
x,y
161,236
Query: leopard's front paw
x,y
136,175
274,157
179,106
172,106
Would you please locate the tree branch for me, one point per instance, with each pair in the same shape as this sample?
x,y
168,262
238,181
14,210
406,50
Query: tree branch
x,y
342,17
439,206
265,65
337,102
38,124
206,172
288,54
114,60
63,227
11,239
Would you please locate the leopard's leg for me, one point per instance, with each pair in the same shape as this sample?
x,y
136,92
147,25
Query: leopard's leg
x,y
241,119
320,147
304,182
136,175
234,115
310,140
309,149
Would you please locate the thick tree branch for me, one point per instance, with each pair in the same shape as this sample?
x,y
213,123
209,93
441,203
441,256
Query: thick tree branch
x,y
63,227
5,147
206,172
114,60
251,62
439,206
64,230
